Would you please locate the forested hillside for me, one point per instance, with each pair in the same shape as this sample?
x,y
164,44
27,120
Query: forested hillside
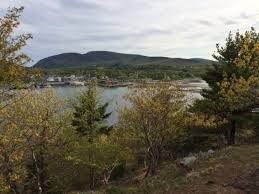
x,y
110,59
124,66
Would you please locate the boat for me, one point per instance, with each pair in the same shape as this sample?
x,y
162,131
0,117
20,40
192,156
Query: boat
x,y
76,83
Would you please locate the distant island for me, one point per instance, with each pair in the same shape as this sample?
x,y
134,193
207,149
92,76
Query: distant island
x,y
123,66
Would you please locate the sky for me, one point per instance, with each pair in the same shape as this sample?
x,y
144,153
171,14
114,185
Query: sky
x,y
171,28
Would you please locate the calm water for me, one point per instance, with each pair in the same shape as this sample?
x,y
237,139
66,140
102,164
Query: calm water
x,y
115,97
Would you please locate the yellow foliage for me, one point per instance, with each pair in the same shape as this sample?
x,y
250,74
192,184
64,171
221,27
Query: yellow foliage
x,y
28,123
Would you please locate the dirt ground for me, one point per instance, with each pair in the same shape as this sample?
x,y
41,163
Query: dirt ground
x,y
233,171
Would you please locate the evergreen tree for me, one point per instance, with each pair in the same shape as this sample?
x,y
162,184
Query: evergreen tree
x,y
233,82
90,122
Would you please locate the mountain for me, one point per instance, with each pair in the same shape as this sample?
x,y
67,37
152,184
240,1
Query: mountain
x,y
111,59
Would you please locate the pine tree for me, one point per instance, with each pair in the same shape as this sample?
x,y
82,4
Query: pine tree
x,y
90,122
233,82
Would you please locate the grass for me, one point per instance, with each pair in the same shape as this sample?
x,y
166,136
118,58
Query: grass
x,y
215,174
230,170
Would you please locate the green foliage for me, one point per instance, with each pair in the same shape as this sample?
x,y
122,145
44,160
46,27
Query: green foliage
x,y
45,147
111,59
14,127
104,155
95,146
12,59
156,72
233,82
122,66
31,134
151,121
90,116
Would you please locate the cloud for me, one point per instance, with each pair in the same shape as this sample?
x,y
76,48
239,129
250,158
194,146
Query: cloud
x,y
167,28
244,16
205,22
230,22
80,4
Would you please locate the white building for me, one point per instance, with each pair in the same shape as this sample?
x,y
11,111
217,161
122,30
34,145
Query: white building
x,y
50,79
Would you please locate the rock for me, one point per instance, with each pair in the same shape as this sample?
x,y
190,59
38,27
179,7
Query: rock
x,y
229,148
191,154
193,174
188,161
225,185
210,152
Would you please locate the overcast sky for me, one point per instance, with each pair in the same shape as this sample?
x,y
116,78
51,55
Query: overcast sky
x,y
173,28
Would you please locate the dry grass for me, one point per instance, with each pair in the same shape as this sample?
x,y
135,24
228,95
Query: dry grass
x,y
234,170
231,170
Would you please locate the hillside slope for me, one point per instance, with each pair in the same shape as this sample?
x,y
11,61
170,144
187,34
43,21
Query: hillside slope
x,y
234,170
109,59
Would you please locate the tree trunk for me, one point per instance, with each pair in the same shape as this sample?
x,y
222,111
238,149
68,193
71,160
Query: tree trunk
x,y
42,164
42,175
8,173
232,133
153,161
91,178
13,186
145,163
14,189
148,170
35,161
153,167
106,177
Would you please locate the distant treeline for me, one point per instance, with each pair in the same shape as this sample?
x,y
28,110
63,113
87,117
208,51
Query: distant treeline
x,y
156,72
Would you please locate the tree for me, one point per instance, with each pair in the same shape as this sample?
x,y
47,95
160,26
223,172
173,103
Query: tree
x,y
90,122
90,114
12,60
110,154
43,137
12,173
31,132
102,156
233,82
13,74
151,120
